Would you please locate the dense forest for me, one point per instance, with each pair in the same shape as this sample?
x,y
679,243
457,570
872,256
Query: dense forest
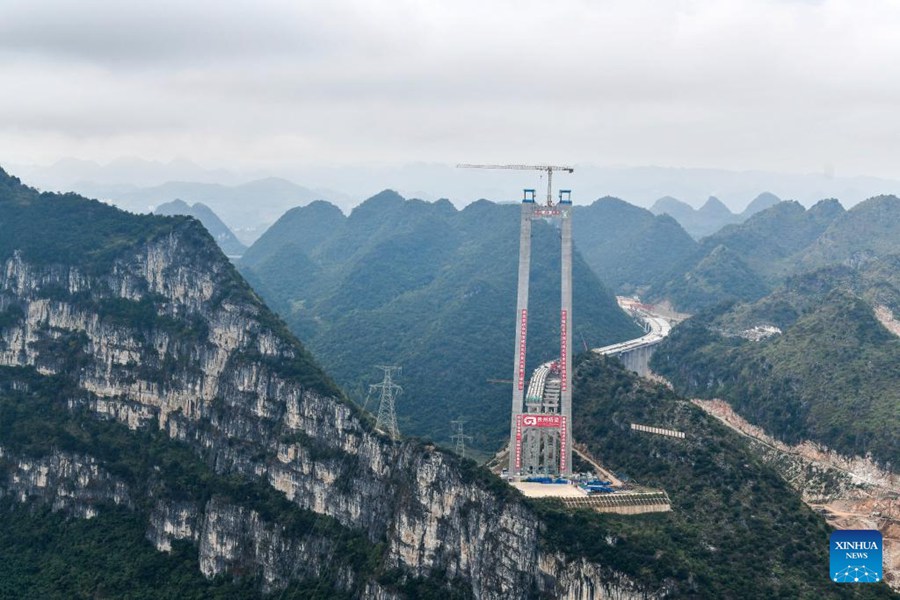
x,y
830,376
736,529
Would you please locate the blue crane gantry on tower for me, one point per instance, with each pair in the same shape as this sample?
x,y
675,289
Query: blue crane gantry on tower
x,y
546,168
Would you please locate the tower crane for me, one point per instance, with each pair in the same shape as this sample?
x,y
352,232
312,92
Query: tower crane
x,y
548,168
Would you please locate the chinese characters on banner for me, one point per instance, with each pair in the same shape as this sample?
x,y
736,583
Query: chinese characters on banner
x,y
518,443
563,355
563,442
523,331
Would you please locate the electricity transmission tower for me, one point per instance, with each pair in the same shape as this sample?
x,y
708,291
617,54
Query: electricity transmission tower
x,y
389,391
460,437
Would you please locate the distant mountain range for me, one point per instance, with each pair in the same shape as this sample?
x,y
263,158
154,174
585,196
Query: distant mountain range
x,y
629,247
633,251
712,216
748,260
348,185
248,209
224,237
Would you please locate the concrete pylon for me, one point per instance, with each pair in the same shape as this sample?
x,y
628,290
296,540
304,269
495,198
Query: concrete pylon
x,y
565,346
519,374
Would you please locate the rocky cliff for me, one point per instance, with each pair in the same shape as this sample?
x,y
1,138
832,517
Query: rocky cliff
x,y
163,334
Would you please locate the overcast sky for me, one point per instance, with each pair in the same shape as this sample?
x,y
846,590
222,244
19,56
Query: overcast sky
x,y
791,86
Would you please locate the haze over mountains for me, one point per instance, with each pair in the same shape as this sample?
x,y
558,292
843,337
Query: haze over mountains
x,y
248,208
346,186
233,217
712,216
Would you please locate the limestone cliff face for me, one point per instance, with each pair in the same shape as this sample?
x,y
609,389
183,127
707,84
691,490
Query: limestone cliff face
x,y
171,338
72,483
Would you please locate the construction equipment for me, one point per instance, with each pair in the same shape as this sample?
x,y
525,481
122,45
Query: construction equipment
x,y
548,168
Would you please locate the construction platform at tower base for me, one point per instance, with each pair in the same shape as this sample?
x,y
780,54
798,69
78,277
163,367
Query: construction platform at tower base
x,y
598,489
623,502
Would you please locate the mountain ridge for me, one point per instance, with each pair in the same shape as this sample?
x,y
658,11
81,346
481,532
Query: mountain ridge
x,y
149,344
226,239
713,215
629,247
769,246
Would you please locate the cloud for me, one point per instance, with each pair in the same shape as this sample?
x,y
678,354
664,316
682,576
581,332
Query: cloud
x,y
727,83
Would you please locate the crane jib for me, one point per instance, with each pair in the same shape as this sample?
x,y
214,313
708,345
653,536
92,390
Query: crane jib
x,y
548,168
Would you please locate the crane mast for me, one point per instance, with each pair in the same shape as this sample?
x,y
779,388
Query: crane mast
x,y
547,168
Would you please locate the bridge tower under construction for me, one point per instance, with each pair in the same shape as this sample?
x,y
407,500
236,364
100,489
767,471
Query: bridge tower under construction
x,y
541,422
540,439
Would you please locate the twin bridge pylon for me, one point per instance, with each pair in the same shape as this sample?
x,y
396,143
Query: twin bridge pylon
x,y
541,420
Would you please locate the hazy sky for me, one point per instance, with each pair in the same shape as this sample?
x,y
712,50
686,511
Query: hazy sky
x,y
742,84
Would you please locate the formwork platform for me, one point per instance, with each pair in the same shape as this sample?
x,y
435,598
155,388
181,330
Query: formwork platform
x,y
620,502
623,503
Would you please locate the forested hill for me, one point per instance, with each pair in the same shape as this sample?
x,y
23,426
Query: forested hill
x,y
747,260
629,247
830,375
736,530
871,229
430,288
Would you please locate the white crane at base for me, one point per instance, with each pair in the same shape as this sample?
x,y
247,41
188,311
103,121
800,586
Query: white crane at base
x,y
548,168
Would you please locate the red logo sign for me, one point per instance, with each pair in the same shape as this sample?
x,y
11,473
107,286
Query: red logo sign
x,y
542,421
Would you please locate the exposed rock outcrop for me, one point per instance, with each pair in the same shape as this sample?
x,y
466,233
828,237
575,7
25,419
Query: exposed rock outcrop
x,y
172,338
